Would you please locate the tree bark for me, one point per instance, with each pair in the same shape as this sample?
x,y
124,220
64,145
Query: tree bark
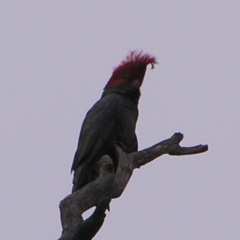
x,y
109,185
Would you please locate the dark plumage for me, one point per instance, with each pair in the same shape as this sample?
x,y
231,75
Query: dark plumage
x,y
111,120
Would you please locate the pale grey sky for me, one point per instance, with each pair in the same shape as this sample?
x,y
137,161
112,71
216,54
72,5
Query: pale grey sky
x,y
56,57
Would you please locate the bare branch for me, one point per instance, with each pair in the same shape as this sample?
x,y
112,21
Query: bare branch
x,y
74,205
169,146
109,185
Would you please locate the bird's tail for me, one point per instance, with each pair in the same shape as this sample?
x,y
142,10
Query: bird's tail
x,y
82,177
79,179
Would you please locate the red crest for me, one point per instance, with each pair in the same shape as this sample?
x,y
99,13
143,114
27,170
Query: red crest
x,y
135,65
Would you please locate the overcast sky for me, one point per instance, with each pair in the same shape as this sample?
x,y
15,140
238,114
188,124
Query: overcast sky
x,y
56,57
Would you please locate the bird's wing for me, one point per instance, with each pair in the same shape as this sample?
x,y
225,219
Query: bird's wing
x,y
97,127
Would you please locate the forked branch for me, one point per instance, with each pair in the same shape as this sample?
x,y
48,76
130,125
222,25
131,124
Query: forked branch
x,y
109,185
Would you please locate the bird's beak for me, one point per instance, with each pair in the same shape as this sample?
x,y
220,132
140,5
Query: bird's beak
x,y
135,83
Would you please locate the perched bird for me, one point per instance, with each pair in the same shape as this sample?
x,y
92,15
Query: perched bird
x,y
111,120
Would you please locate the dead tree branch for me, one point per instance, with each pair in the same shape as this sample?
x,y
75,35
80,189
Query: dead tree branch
x,y
109,185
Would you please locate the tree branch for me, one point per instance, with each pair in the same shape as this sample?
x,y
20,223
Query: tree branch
x,y
74,205
109,185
